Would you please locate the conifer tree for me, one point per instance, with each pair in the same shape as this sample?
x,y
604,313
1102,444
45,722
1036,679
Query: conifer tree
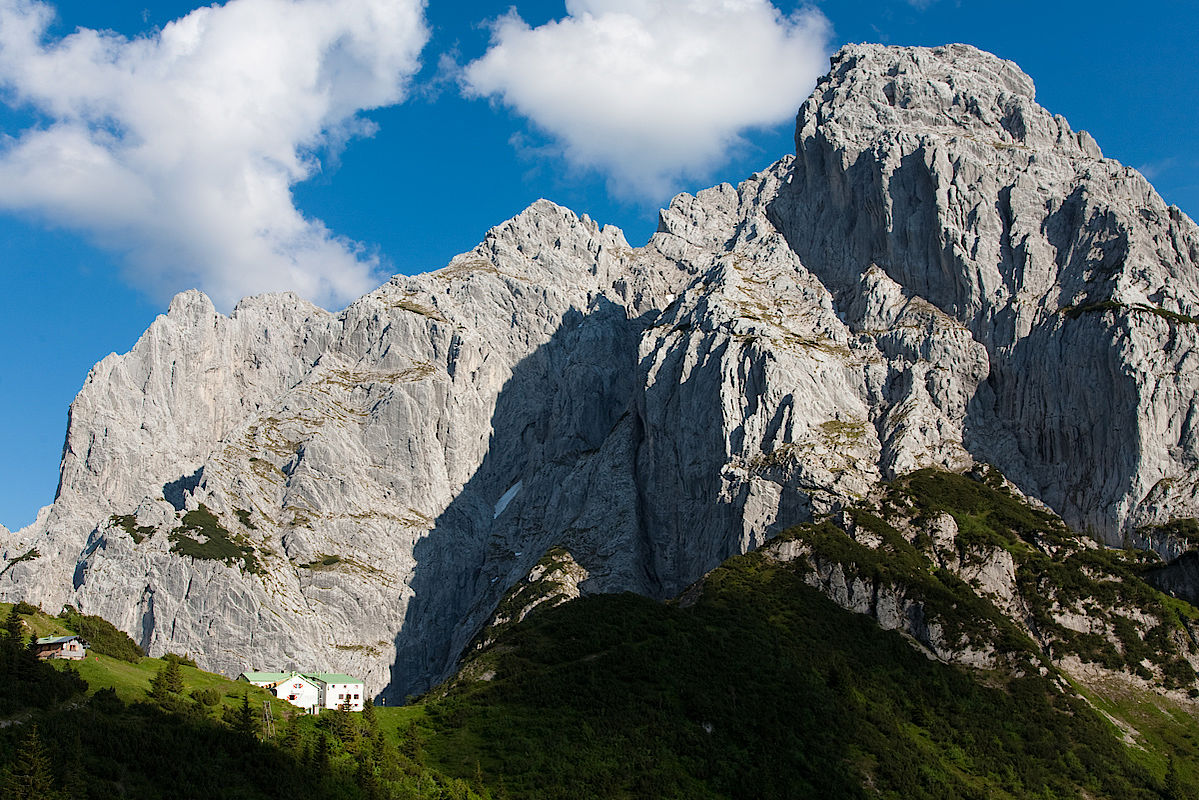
x,y
320,759
246,721
14,627
343,725
11,644
158,686
30,776
173,676
292,738
369,718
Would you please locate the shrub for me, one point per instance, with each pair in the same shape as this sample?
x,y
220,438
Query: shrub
x,y
184,660
206,697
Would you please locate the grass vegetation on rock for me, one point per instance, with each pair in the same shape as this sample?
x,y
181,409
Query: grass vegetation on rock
x,y
202,536
757,685
128,523
29,555
754,684
102,636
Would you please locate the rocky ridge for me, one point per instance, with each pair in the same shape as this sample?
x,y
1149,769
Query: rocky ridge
x,y
944,274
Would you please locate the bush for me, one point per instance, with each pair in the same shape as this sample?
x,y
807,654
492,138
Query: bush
x,y
183,661
26,608
207,697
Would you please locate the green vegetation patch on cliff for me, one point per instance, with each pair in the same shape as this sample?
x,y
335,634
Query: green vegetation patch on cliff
x,y
29,555
102,636
1060,571
128,523
1185,530
209,540
965,617
324,561
986,512
543,588
1074,312
243,516
1057,571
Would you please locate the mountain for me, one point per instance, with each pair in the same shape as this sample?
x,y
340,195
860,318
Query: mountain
x,y
945,275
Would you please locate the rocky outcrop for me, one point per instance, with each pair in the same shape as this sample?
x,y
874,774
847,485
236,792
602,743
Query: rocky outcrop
x,y
1179,578
555,579
944,274
973,574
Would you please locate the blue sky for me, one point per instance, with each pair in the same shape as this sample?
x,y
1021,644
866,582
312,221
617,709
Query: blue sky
x,y
431,125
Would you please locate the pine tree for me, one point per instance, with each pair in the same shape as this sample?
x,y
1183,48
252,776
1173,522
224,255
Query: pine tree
x,y
30,776
173,676
320,759
246,721
292,738
14,627
343,725
369,718
11,644
410,743
159,690
25,661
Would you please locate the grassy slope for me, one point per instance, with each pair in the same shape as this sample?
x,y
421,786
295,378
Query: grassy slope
x,y
106,738
131,682
764,688
760,688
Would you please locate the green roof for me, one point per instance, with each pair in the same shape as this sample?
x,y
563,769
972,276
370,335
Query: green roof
x,y
56,639
332,677
275,677
265,677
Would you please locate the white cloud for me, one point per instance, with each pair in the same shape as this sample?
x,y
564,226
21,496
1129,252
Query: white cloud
x,y
180,148
649,91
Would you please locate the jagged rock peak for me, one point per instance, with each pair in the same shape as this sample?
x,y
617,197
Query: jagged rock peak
x,y
191,304
271,303
953,89
938,167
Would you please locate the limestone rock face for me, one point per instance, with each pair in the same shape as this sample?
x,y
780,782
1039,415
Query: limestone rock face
x,y
944,273
1064,272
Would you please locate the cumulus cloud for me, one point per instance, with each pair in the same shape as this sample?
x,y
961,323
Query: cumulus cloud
x,y
649,91
180,148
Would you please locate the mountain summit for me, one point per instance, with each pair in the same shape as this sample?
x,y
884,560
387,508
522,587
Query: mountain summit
x,y
944,275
